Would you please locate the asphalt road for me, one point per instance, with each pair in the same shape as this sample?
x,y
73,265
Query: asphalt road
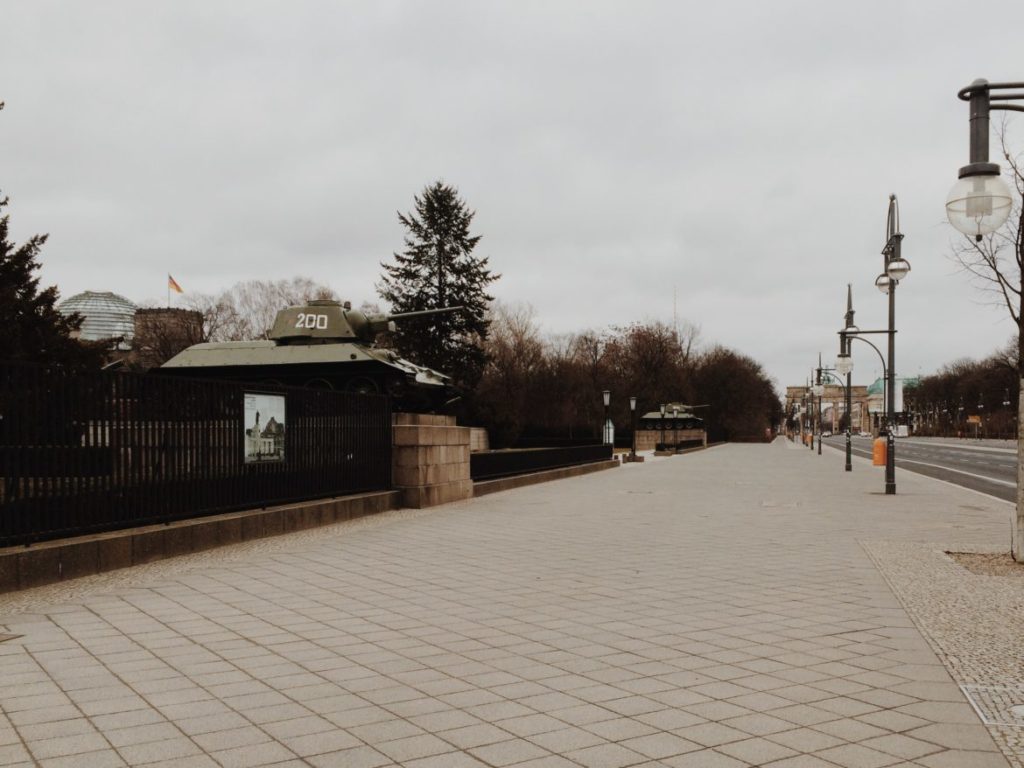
x,y
986,466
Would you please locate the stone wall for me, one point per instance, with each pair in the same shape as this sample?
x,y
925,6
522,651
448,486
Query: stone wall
x,y
646,438
430,463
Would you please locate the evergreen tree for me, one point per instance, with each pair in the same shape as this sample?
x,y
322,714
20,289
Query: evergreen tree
x,y
438,269
34,331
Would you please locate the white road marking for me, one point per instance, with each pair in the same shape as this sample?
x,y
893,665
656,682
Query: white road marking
x,y
959,472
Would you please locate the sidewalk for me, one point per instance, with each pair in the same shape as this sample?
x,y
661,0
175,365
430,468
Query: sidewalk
x,y
748,605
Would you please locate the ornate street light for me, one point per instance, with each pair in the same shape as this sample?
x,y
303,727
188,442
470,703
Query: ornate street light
x,y
980,202
819,390
844,365
632,413
662,406
896,269
981,415
609,431
675,426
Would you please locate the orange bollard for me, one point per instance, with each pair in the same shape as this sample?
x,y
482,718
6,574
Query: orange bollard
x,y
878,452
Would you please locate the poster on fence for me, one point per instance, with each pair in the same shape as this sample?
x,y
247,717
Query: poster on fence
x,y
264,427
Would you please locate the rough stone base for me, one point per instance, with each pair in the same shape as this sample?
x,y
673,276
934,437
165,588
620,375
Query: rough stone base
x,y
430,460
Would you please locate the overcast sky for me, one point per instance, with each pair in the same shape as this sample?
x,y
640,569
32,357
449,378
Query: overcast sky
x,y
737,154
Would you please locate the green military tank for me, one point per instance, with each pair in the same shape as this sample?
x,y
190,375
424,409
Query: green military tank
x,y
323,345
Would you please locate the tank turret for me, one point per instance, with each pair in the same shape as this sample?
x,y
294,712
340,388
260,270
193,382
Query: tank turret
x,y
327,322
324,345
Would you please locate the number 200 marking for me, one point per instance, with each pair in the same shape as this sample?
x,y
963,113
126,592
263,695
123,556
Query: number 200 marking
x,y
318,322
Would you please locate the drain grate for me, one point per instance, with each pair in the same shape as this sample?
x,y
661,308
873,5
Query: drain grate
x,y
997,704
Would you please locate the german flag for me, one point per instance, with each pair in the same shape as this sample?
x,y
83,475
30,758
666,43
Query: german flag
x,y
172,284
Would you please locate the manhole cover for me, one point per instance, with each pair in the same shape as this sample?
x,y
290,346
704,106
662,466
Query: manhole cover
x,y
997,704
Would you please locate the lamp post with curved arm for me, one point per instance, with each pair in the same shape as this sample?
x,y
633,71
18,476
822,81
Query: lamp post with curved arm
x,y
852,333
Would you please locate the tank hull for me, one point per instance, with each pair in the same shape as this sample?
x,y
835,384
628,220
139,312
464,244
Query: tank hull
x,y
343,366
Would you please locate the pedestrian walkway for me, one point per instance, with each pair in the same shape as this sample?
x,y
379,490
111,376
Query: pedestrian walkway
x,y
748,605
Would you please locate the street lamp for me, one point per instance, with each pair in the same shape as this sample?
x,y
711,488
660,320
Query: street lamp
x,y
662,426
980,202
896,269
981,415
608,429
844,364
632,413
675,427
819,390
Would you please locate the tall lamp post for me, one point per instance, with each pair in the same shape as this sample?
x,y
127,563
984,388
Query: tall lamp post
x,y
896,268
979,204
844,364
819,390
981,415
675,427
632,413
662,426
608,429
810,410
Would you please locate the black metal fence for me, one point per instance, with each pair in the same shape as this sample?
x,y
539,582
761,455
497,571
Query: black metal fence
x,y
487,465
91,452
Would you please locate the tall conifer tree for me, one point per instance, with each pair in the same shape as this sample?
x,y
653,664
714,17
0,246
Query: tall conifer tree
x,y
438,269
34,331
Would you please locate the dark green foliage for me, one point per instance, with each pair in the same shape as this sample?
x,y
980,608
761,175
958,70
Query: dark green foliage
x,y
438,269
33,329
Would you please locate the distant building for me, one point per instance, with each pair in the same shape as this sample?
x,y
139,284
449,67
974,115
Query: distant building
x,y
833,408
140,338
162,332
106,316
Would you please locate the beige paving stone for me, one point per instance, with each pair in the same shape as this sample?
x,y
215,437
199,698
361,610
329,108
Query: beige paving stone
x,y
231,738
756,751
106,758
412,747
660,745
707,758
758,725
857,756
359,757
152,751
963,759
508,752
605,756
566,739
320,743
711,734
619,729
906,747
269,753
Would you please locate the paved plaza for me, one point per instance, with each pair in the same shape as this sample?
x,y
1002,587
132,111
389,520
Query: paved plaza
x,y
748,605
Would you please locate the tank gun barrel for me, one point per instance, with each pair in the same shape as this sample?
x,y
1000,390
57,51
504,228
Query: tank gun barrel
x,y
383,323
425,312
